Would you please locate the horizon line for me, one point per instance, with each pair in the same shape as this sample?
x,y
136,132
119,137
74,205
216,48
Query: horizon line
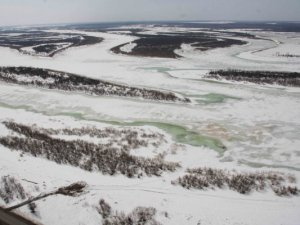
x,y
150,21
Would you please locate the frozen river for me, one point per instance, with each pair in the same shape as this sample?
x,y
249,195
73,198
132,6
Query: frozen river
x,y
232,124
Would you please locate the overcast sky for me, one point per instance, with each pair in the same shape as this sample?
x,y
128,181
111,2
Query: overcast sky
x,y
17,12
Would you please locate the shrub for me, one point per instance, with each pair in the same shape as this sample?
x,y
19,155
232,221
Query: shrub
x,y
32,207
139,216
208,178
11,189
73,190
104,209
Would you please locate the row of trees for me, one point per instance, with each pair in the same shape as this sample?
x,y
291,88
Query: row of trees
x,y
259,77
244,183
71,82
89,156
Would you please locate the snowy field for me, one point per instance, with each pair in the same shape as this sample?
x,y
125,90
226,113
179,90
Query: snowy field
x,y
239,126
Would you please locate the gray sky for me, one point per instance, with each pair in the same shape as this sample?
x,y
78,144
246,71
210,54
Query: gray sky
x,y
17,12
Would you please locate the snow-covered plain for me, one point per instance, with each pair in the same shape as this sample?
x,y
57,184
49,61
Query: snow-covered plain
x,y
259,125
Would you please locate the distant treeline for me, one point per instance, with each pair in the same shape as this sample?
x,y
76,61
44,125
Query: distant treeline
x,y
259,77
164,45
